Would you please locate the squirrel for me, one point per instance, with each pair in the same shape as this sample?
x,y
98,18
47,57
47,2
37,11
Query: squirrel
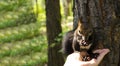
x,y
81,40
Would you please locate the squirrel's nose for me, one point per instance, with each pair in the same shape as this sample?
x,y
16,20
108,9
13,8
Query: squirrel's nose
x,y
84,43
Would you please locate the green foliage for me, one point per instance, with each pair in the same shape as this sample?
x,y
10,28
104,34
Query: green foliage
x,y
31,48
22,38
7,23
39,9
16,12
19,20
62,9
25,47
19,33
12,5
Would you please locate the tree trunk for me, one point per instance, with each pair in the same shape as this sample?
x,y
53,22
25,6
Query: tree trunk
x,y
104,15
53,19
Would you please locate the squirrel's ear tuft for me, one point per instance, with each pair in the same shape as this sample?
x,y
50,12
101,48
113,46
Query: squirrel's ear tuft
x,y
79,25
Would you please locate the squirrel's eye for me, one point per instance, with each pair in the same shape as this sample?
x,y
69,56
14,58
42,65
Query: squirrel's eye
x,y
79,32
90,38
79,37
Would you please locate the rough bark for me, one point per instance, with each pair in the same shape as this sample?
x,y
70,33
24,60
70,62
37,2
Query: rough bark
x,y
53,19
104,15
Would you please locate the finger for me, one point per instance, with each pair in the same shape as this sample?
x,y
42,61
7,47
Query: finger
x,y
97,51
103,52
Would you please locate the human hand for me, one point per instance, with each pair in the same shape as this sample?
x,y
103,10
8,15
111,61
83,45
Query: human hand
x,y
73,59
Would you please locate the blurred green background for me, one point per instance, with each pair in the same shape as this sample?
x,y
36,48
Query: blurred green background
x,y
23,32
